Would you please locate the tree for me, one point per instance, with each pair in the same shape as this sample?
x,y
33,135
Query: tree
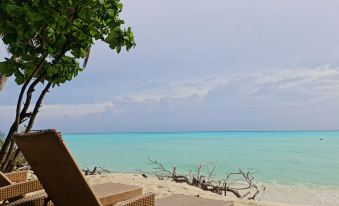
x,y
46,40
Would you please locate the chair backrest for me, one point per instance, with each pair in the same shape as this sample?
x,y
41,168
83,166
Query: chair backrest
x,y
4,180
55,168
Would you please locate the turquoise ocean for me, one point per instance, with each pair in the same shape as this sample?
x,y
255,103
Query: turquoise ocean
x,y
308,158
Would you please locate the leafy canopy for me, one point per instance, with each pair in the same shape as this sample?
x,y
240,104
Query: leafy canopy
x,y
57,34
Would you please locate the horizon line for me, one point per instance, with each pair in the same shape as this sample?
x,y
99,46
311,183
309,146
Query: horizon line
x,y
196,131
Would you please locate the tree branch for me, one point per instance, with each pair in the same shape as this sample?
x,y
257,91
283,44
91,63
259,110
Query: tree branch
x,y
23,89
6,146
37,106
29,94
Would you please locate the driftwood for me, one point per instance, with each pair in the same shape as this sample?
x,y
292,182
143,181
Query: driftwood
x,y
241,184
95,171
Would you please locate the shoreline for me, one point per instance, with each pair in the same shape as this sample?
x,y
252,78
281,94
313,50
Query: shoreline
x,y
275,195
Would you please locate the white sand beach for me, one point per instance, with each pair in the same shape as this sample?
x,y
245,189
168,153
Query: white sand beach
x,y
274,196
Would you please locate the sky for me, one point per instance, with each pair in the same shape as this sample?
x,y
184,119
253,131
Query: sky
x,y
217,65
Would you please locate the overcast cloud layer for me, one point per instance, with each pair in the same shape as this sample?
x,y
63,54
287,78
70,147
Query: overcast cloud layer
x,y
216,65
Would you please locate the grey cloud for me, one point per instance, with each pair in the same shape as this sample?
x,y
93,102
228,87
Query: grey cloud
x,y
320,83
239,96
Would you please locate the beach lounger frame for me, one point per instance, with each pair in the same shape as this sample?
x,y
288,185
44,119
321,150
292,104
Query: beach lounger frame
x,y
15,185
61,177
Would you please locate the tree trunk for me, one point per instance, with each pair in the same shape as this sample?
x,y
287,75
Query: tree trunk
x,y
37,106
12,152
9,153
13,161
7,147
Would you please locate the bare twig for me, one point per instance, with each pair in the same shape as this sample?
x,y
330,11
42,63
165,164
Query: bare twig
x,y
248,189
96,171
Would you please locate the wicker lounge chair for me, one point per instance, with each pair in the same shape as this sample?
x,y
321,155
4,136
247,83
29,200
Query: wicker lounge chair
x,y
62,179
13,177
15,185
185,200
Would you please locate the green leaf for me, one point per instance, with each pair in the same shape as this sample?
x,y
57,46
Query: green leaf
x,y
35,16
120,6
19,80
35,2
10,8
9,38
5,69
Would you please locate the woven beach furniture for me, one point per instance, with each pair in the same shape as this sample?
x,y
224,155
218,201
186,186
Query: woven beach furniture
x,y
15,185
63,181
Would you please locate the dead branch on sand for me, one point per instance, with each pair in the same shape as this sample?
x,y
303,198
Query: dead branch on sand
x,y
95,171
241,184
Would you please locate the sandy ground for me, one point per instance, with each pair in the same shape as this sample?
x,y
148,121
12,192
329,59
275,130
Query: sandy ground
x,y
166,188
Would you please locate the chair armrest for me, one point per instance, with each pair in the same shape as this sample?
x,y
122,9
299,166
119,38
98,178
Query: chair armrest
x,y
36,200
147,199
19,189
17,176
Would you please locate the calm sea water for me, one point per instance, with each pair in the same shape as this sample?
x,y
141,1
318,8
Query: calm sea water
x,y
276,157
